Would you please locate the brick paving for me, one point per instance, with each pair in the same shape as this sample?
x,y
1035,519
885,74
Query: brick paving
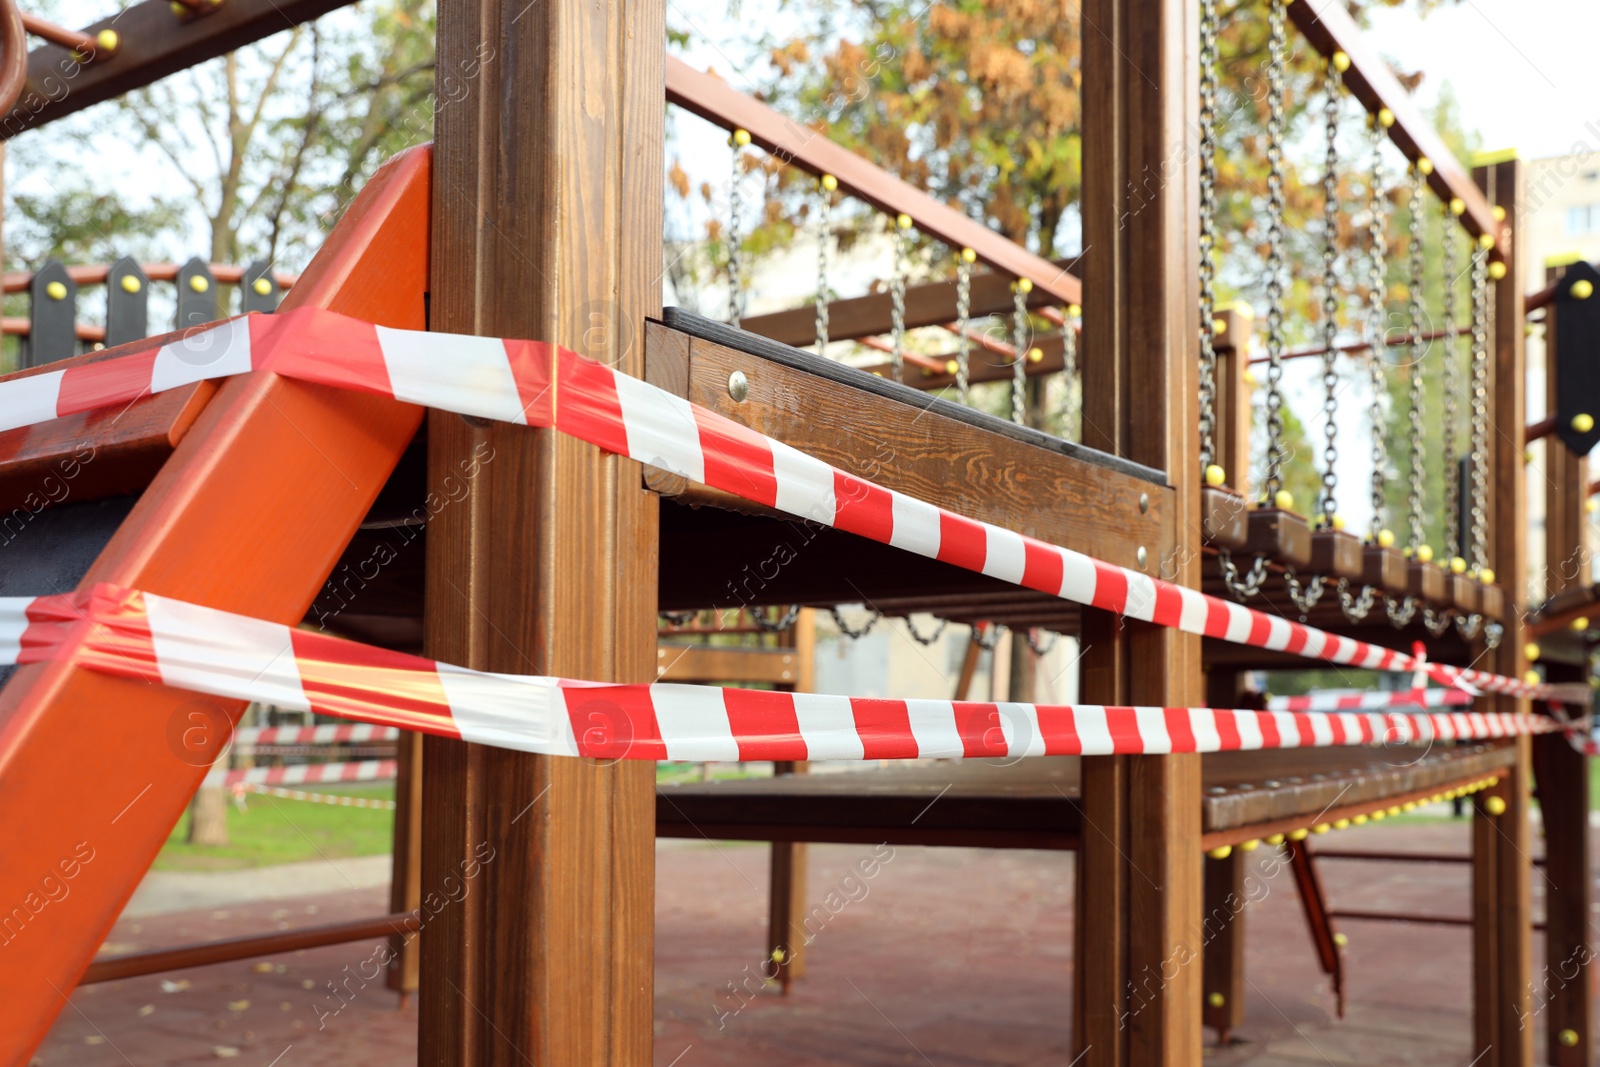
x,y
951,957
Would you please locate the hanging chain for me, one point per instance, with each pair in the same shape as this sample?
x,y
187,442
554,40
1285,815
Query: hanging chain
x,y
986,643
844,628
1330,296
1208,233
1277,46
1452,385
1437,622
930,638
1376,291
735,268
774,626
1419,352
1245,586
1400,612
1479,552
1019,349
1040,649
897,297
824,210
963,313
1305,596
1467,626
1355,607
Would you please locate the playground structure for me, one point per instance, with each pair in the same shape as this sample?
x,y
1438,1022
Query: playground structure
x,y
567,552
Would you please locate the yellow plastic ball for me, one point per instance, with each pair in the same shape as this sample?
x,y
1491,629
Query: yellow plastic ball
x,y
1338,521
1499,212
1358,820
1341,824
951,366
1341,940
1216,1000
1215,476
262,286
1283,499
1458,565
1581,623
1531,650
1458,206
1299,835
741,137
1582,289
1385,117
1035,355
1379,815
1275,839
903,221
1385,538
1024,285
1424,166
1410,805
177,8
1486,240
1567,1038
1321,828
56,291
1497,270
1249,376
1221,852
1250,845
1495,806
968,256
107,40
199,283
131,283
1425,553
1486,576
1074,310
1341,62
1394,810
830,184
1531,677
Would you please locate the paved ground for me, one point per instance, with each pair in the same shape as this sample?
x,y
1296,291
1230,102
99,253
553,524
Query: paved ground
x,y
950,957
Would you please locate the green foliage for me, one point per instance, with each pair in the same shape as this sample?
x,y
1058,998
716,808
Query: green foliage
x,y
77,224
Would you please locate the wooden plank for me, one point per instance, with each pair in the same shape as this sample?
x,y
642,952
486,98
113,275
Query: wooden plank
x,y
405,877
1510,919
1234,327
1224,978
552,569
705,664
1568,985
296,465
1329,28
971,471
715,101
1140,388
153,42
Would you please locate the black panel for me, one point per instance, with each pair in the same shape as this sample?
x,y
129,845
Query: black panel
x,y
197,295
52,331
127,303
50,551
258,291
1578,357
766,348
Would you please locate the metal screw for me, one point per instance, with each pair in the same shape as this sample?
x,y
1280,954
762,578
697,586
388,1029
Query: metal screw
x,y
738,386
1143,556
1144,503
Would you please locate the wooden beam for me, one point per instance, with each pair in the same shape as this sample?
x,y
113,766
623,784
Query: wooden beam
x,y
1329,28
1502,963
1139,980
551,568
1566,484
298,466
153,42
705,664
1224,944
799,145
1567,987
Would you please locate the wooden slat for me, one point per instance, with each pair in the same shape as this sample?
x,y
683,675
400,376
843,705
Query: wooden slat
x,y
153,43
705,664
1563,779
1329,28
1223,923
296,466
555,234
715,101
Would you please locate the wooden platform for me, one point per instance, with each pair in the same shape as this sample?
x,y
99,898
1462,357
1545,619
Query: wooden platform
x,y
1034,803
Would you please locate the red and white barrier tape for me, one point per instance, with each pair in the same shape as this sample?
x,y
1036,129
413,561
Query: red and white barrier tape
x,y
1349,700
336,799
153,638
540,384
327,734
375,770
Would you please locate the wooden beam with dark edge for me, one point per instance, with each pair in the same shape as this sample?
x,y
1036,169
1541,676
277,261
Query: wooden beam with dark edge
x,y
799,145
153,43
1329,29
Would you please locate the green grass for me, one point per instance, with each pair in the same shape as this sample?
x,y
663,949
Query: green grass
x,y
273,830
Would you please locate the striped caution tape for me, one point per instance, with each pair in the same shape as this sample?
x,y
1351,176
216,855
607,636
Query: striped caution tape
x,y
375,770
326,734
336,799
1352,700
157,639
540,384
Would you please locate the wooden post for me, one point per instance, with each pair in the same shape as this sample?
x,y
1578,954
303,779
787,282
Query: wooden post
x,y
1502,918
1139,972
1224,948
538,872
1563,991
786,938
1235,324
405,865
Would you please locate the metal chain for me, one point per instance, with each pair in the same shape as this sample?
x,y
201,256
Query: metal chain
x,y
1376,291
1479,553
1019,349
1452,385
1277,46
1400,612
1467,626
1415,394
1356,607
1035,647
1437,622
679,618
1493,632
824,210
931,638
1330,295
734,253
993,639
897,298
1305,596
963,313
1208,233
844,627
1243,587
782,623
1069,375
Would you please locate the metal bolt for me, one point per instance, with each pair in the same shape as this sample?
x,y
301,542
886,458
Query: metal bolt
x,y
738,386
1143,556
1144,503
